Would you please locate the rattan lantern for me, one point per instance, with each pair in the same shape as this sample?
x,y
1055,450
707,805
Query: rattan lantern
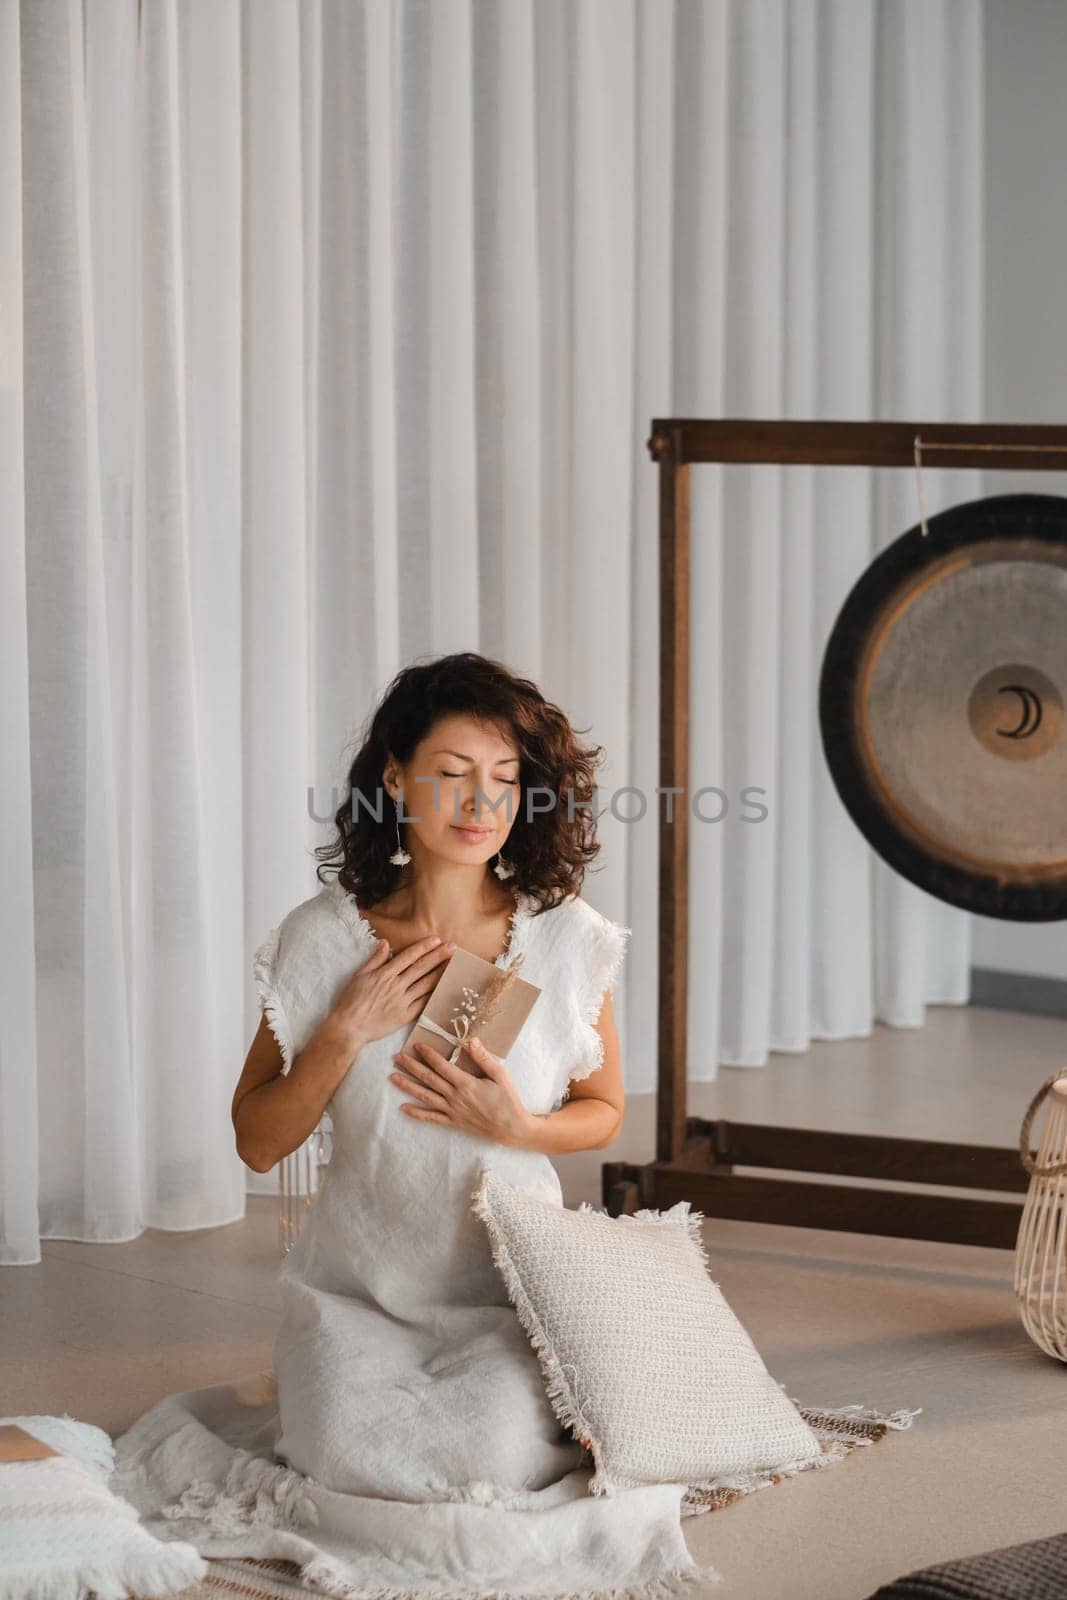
x,y
1041,1247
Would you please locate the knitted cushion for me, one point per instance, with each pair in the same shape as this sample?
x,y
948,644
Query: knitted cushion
x,y
65,1534
643,1359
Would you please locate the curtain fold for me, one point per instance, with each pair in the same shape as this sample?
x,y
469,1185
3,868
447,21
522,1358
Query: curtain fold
x,y
330,336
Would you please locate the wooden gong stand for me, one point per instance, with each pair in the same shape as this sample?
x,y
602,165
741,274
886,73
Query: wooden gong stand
x,y
695,1157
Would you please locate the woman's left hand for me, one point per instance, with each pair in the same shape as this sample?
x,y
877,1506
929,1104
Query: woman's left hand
x,y
487,1107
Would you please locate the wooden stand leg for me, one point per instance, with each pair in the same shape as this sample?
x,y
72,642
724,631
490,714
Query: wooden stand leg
x,y
619,1188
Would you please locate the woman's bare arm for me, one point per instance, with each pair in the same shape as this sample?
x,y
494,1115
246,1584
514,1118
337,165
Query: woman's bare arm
x,y
592,1116
274,1112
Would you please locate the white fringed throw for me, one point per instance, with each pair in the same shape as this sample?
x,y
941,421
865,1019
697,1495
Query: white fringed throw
x,y
63,1532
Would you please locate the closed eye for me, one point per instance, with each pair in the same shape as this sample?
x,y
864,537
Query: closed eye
x,y
463,775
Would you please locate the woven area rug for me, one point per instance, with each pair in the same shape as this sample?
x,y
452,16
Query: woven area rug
x,y
253,1580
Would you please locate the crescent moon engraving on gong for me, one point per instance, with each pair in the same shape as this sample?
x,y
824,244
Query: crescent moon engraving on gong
x,y
1030,720
1040,712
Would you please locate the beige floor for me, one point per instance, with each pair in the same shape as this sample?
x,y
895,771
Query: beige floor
x,y
104,1330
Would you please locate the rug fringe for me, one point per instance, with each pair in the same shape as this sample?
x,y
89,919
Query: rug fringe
x,y
862,1421
839,1429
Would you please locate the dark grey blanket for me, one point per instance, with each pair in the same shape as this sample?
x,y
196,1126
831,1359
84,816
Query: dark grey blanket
x,y
1036,1570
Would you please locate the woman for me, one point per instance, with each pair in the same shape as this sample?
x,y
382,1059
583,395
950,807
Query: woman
x,y
392,1290
404,1443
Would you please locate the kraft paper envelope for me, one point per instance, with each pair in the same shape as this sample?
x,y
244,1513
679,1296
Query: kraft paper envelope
x,y
446,1007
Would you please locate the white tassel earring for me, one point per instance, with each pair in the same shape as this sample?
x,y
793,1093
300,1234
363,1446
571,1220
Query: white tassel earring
x,y
399,857
503,869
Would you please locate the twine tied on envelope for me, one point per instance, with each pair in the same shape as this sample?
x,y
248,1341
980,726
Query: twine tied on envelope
x,y
461,1029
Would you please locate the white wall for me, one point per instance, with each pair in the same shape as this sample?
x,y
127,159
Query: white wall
x,y
1025,270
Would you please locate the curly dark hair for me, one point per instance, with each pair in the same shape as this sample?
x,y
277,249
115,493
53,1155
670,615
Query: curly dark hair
x,y
549,850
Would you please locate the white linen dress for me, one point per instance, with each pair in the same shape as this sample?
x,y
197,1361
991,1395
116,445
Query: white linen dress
x,y
403,1446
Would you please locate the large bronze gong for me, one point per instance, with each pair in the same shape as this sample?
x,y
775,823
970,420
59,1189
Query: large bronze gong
x,y
941,706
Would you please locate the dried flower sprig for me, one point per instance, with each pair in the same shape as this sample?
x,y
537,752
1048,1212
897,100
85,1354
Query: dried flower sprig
x,y
479,1008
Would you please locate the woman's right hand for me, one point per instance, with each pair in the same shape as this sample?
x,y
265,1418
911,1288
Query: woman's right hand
x,y
389,991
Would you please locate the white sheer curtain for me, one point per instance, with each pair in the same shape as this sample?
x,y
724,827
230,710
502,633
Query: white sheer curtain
x,y
329,337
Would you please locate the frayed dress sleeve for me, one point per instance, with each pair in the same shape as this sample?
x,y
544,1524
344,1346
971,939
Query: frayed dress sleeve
x,y
598,952
265,973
